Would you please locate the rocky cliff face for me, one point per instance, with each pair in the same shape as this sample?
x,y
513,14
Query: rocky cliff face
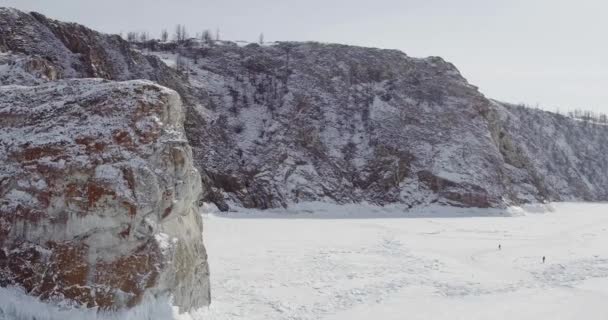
x,y
549,156
97,180
98,193
277,124
305,121
36,49
294,122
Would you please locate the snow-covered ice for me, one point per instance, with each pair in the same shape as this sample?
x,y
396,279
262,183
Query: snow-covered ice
x,y
310,263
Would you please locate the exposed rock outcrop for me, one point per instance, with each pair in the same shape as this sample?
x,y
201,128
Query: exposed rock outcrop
x,y
294,122
98,195
98,189
287,122
37,49
550,156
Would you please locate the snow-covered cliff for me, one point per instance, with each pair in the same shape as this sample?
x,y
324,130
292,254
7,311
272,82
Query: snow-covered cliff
x,y
98,192
98,195
288,122
551,156
98,183
35,49
291,122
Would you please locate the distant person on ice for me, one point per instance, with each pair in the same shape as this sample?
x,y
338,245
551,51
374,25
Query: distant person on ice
x,y
544,259
499,247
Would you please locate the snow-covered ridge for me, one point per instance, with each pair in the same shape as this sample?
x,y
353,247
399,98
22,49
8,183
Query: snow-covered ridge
x,y
37,49
293,122
97,175
278,124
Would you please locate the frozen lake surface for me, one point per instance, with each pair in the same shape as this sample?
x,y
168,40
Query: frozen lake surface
x,y
332,265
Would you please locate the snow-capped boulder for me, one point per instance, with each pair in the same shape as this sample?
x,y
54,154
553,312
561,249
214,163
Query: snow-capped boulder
x,y
98,195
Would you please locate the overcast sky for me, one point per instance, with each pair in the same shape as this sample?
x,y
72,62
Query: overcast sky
x,y
553,53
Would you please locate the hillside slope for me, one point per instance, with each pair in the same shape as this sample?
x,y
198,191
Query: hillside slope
x,y
553,156
292,122
289,122
36,49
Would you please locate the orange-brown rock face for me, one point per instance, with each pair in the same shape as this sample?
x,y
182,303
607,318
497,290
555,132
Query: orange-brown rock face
x,y
98,195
